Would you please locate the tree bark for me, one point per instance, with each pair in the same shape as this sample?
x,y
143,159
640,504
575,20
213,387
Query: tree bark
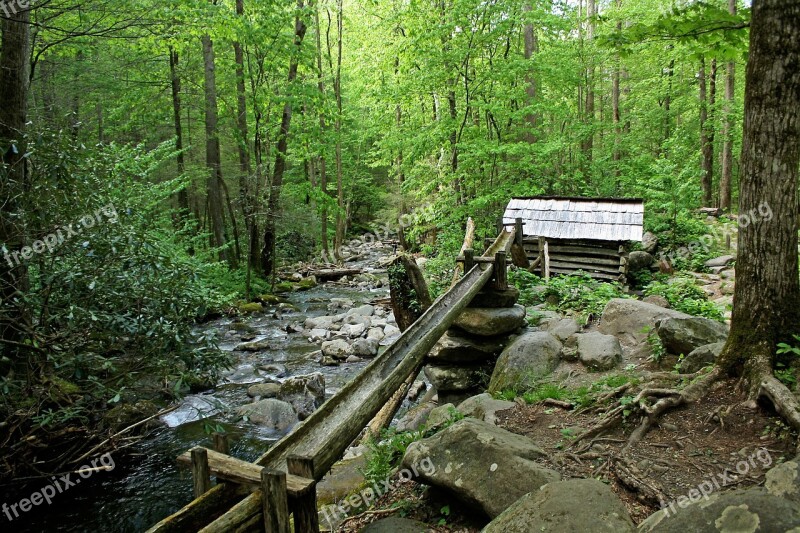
x,y
268,252
14,87
706,144
246,196
726,180
183,195
767,287
341,213
323,173
531,47
219,238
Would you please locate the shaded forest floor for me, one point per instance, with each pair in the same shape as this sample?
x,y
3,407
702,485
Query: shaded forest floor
x,y
700,443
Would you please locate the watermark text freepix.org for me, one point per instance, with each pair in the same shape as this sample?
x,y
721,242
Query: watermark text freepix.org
x,y
718,481
12,7
53,240
58,484
369,495
763,213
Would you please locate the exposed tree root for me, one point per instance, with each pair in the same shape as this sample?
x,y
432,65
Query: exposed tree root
x,y
647,490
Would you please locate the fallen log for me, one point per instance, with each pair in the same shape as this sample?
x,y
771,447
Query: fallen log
x,y
333,274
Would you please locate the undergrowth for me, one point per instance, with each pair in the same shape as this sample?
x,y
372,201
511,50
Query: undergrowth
x,y
684,295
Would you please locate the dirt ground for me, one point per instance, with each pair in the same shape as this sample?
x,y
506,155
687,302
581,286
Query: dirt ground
x,y
700,445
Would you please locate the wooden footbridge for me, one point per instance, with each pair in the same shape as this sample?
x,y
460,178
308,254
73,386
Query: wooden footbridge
x,y
260,496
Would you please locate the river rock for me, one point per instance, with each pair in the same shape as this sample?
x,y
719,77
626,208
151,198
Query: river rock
x,y
317,335
528,358
264,390
275,370
337,348
353,331
455,378
481,464
683,335
390,330
320,322
304,393
754,509
484,408
376,333
454,347
271,413
631,320
487,322
563,329
365,347
701,357
597,351
566,507
364,310
256,346
495,298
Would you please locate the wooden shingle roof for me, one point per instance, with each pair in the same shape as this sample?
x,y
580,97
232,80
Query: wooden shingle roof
x,y
604,219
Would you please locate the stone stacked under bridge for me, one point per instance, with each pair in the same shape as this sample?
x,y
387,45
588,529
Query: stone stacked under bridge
x,y
460,364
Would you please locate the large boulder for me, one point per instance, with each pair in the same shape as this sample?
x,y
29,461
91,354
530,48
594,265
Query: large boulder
x,y
755,509
701,357
484,407
565,507
597,351
683,335
480,464
337,349
304,393
459,348
270,413
488,322
720,261
366,347
631,320
528,358
455,377
639,260
264,390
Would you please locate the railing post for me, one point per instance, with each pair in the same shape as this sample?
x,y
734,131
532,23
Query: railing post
x,y
469,259
221,444
518,236
500,226
274,501
500,271
306,517
201,475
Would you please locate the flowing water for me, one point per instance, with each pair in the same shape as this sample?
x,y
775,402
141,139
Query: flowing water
x,y
147,486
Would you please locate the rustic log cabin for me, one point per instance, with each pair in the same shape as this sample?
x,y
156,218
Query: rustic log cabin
x,y
565,235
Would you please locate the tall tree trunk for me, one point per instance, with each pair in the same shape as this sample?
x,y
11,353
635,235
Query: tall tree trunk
x,y
323,173
268,252
342,213
706,145
615,114
726,180
183,194
219,237
14,87
767,290
587,146
531,47
246,196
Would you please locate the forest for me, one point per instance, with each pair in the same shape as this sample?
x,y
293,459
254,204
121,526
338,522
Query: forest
x,y
168,163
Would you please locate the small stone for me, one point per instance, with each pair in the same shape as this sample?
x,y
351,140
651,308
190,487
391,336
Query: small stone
x,y
264,390
365,347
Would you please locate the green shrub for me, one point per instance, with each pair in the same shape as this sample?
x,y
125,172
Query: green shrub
x,y
684,295
580,294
